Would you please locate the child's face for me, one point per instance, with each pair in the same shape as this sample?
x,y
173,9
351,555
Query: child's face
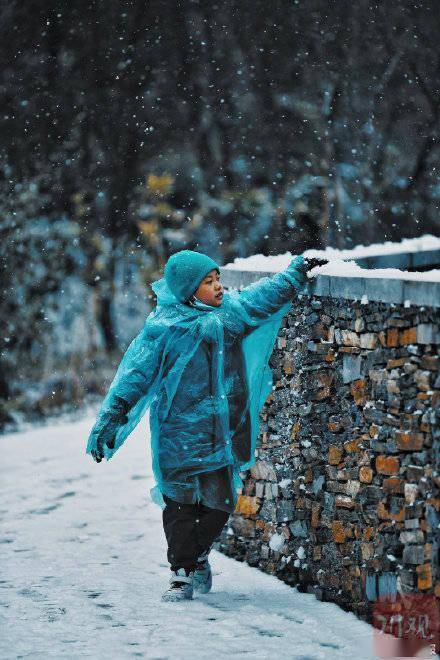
x,y
210,290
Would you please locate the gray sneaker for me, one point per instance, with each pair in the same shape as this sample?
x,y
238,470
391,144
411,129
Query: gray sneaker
x,y
203,575
181,586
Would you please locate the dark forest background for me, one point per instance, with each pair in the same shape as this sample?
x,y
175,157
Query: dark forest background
x,y
133,129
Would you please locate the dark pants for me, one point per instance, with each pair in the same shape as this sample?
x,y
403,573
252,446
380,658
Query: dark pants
x,y
190,530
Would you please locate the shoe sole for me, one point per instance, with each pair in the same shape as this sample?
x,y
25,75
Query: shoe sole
x,y
173,599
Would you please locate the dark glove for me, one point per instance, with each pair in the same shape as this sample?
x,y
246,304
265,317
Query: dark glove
x,y
116,417
313,262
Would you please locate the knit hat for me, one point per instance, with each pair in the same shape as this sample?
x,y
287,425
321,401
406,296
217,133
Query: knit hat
x,y
185,270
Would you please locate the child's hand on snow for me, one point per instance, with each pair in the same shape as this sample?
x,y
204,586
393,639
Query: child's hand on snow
x,y
313,262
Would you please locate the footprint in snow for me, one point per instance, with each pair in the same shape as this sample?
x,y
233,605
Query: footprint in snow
x,y
69,493
217,606
291,618
33,594
55,613
329,644
44,510
133,537
266,633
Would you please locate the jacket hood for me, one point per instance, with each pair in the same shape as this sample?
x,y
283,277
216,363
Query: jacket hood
x,y
164,294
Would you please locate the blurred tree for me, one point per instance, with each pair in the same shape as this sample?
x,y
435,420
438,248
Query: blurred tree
x,y
264,126
98,95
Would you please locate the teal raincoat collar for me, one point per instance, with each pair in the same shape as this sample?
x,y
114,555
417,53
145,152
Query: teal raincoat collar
x,y
166,297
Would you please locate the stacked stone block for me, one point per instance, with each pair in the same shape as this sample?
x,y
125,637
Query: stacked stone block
x,y
343,500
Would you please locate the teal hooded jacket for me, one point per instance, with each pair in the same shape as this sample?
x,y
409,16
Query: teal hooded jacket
x,y
204,374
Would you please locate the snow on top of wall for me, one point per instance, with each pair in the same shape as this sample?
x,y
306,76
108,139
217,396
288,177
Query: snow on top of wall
x,y
341,268
425,242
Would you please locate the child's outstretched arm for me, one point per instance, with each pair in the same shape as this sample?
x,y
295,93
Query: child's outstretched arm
x,y
134,379
267,296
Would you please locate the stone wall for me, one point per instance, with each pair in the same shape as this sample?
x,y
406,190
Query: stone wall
x,y
343,500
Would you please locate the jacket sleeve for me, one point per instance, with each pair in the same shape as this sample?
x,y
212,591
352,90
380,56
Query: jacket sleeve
x,y
270,294
133,382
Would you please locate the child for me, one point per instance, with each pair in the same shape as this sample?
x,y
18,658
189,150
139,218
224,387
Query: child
x,y
201,364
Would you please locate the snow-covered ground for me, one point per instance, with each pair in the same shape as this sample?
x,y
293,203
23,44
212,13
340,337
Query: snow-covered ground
x,y
83,565
341,266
